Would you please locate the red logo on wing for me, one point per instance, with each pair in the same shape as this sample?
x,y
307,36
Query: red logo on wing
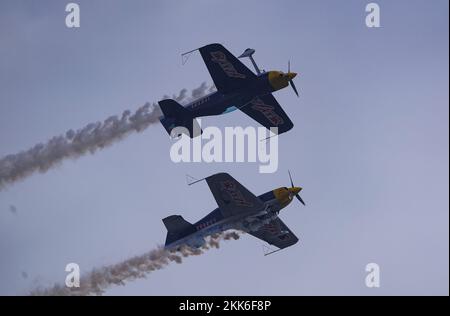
x,y
235,195
268,111
271,228
220,58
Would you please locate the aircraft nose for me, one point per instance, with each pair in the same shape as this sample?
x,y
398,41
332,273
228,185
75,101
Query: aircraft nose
x,y
292,75
295,190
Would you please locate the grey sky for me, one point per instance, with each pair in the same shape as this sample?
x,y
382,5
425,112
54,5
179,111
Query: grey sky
x,y
369,146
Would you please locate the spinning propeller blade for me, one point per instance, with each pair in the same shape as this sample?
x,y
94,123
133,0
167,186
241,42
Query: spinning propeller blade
x,y
292,186
293,87
291,82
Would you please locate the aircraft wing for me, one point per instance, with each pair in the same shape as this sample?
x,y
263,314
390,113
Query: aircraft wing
x,y
268,112
276,233
231,196
227,72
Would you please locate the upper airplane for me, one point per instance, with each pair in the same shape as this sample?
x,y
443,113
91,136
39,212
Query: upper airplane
x,y
238,209
237,88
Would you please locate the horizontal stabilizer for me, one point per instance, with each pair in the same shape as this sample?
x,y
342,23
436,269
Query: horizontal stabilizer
x,y
176,115
177,228
176,223
172,108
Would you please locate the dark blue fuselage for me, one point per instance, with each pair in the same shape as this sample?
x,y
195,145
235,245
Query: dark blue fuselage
x,y
213,218
218,103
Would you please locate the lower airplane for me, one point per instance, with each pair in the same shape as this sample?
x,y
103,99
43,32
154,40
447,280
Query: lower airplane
x,y
239,209
237,88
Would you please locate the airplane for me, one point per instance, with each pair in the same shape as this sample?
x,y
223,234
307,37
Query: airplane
x,y
237,88
238,209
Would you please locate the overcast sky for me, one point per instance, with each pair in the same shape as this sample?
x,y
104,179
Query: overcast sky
x,y
369,145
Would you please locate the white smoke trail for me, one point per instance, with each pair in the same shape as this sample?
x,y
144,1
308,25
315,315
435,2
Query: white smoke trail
x,y
98,280
89,139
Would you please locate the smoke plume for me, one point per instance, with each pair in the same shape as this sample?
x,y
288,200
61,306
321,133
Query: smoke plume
x,y
98,280
89,139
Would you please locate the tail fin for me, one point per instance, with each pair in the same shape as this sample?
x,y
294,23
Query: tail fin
x,y
177,228
175,115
